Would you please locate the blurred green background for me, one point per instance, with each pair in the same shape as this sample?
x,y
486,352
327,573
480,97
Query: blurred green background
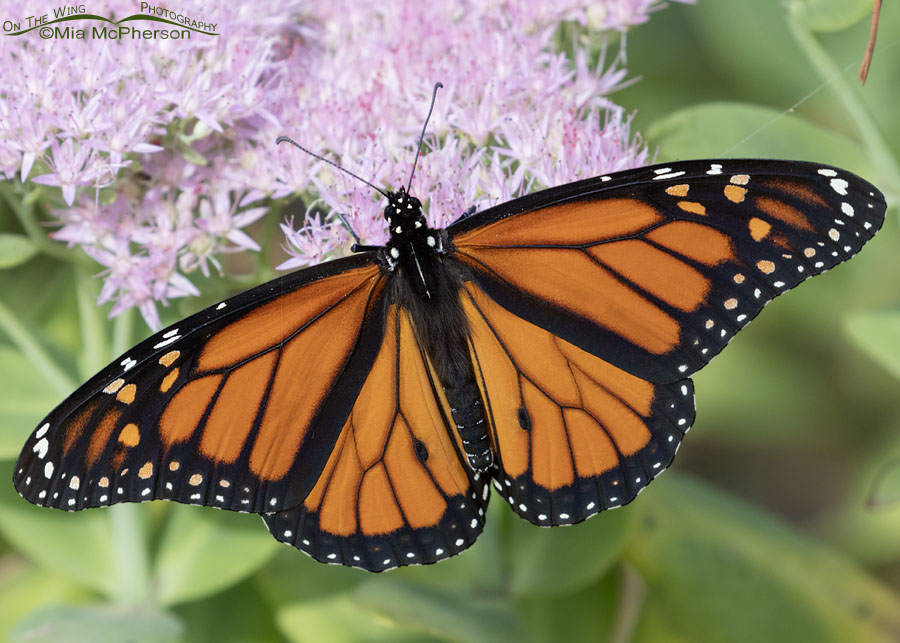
x,y
779,521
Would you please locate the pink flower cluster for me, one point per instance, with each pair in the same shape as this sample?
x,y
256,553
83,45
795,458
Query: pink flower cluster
x,y
164,150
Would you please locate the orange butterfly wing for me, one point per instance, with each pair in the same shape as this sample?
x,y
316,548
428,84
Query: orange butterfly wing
x,y
395,490
658,273
221,414
590,305
573,435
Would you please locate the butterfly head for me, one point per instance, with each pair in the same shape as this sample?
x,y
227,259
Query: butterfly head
x,y
403,213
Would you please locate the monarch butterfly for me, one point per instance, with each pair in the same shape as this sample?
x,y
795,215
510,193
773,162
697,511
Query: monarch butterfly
x,y
365,405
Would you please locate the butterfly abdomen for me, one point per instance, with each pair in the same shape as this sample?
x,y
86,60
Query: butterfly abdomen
x,y
468,415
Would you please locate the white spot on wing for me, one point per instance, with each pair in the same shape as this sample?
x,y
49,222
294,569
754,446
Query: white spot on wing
x,y
41,448
41,431
166,342
671,175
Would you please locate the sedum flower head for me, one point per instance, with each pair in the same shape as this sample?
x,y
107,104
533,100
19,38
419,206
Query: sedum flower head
x,y
163,151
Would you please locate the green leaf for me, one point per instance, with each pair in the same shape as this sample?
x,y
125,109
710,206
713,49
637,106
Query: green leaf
x,y
584,615
76,545
865,520
885,491
743,130
292,577
24,400
654,625
759,394
204,550
721,571
237,615
878,335
828,15
445,615
26,588
483,565
15,249
552,561
97,624
339,619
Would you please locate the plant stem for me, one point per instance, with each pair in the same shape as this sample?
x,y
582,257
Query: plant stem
x,y
859,115
123,327
628,610
130,555
23,207
55,376
94,352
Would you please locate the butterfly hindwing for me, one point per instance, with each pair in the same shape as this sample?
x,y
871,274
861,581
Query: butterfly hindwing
x,y
395,490
216,409
656,269
573,434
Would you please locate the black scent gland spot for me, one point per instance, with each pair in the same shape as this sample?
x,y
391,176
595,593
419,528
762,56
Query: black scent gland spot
x,y
421,450
524,420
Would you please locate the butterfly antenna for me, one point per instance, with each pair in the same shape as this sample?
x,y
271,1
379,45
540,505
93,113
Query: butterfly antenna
x,y
437,86
282,139
347,225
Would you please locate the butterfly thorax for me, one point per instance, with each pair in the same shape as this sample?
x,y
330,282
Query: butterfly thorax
x,y
413,247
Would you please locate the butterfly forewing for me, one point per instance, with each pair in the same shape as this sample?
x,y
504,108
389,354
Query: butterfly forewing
x,y
217,409
656,269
